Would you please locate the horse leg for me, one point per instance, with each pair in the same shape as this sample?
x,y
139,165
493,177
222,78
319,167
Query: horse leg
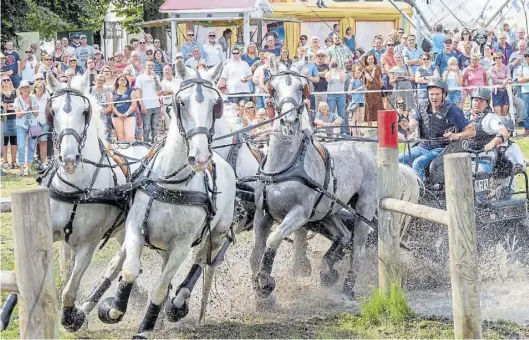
x,y
301,266
112,309
7,309
110,274
72,317
175,258
366,207
294,220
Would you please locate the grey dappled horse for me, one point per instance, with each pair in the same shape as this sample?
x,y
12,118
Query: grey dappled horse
x,y
183,200
81,144
284,206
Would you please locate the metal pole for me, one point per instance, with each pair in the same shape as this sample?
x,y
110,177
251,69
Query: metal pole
x,y
496,14
418,28
413,4
174,40
481,14
449,10
408,18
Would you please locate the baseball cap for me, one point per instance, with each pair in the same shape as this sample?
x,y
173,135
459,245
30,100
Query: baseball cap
x,y
82,36
179,54
448,40
75,36
235,50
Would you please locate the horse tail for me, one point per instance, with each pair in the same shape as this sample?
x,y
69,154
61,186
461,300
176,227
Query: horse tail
x,y
209,273
410,190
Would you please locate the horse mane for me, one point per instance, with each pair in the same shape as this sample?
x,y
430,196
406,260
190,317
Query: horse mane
x,y
77,83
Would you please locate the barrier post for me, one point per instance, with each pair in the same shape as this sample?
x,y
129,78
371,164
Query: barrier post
x,y
35,273
389,267
463,254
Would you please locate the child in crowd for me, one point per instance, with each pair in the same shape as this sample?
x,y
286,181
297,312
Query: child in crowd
x,y
454,79
356,107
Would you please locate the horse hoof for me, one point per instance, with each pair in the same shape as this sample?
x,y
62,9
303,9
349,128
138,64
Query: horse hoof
x,y
104,310
302,269
72,319
329,278
175,314
139,336
265,285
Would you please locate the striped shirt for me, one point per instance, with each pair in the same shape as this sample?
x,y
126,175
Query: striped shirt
x,y
341,53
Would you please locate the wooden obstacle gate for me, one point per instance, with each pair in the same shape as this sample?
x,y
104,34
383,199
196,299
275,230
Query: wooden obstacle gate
x,y
459,217
34,277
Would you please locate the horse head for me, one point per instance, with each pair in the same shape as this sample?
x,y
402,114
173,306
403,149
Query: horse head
x,y
197,105
289,88
69,112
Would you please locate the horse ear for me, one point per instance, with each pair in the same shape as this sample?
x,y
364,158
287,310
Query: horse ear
x,y
181,70
273,66
85,85
214,72
52,81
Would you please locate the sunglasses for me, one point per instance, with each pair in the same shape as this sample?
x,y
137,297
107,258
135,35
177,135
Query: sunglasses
x,y
190,35
425,58
73,61
498,58
142,42
251,107
448,42
212,36
390,45
148,52
303,39
6,80
234,53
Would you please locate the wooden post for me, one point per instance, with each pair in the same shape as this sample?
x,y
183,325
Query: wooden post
x,y
462,238
33,243
389,267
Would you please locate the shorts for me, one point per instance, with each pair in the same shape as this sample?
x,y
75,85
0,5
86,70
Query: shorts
x,y
500,98
454,96
45,129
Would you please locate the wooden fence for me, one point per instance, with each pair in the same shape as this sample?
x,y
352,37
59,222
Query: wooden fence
x,y
459,217
34,277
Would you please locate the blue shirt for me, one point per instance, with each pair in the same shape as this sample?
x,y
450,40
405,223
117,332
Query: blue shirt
x,y
313,72
358,97
438,40
415,54
276,51
249,60
350,42
441,60
187,50
12,60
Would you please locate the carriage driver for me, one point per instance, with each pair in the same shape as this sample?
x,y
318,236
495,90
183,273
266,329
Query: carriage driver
x,y
436,118
488,124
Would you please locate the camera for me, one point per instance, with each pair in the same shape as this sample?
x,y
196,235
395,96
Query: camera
x,y
334,65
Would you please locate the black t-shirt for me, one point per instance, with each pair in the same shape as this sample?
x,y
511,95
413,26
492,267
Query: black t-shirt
x,y
321,86
9,100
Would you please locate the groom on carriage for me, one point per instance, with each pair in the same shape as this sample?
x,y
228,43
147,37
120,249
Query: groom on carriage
x,y
437,118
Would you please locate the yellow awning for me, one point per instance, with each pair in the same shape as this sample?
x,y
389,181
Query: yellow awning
x,y
338,10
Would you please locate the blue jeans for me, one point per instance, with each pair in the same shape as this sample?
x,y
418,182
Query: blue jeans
x,y
337,101
420,158
525,98
22,136
150,124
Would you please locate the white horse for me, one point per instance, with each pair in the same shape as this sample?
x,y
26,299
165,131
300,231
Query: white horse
x,y
82,171
187,196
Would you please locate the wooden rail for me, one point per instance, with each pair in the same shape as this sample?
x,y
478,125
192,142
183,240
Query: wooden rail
x,y
459,217
34,278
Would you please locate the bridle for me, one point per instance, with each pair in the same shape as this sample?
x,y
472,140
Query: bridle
x,y
50,116
305,92
199,82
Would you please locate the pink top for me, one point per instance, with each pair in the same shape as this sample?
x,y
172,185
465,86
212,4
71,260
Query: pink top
x,y
474,76
499,75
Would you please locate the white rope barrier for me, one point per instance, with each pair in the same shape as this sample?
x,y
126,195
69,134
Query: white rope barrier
x,y
492,87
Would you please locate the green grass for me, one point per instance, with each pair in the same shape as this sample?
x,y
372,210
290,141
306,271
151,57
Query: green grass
x,y
385,309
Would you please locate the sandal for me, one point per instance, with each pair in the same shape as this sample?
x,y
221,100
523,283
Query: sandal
x,y
21,173
6,166
15,166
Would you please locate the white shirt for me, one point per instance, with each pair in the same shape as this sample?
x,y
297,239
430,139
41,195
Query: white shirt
x,y
28,73
41,118
193,62
170,85
214,54
523,72
148,90
233,72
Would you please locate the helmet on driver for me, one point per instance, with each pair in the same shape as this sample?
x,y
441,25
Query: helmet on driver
x,y
438,83
482,93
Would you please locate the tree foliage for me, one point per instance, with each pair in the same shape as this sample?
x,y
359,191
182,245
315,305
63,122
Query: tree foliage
x,y
51,16
135,11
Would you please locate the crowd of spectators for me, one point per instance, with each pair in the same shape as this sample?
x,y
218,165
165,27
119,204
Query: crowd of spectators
x,y
134,86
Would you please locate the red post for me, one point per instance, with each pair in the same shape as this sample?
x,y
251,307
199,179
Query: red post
x,y
388,129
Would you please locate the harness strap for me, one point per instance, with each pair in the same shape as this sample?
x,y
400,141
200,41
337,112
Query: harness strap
x,y
68,228
144,230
